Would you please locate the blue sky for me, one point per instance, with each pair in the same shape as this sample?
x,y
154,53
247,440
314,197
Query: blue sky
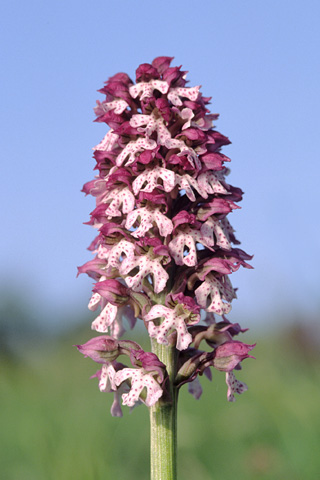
x,y
259,61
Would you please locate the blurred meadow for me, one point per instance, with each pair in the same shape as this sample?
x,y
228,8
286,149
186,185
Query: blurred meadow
x,y
56,423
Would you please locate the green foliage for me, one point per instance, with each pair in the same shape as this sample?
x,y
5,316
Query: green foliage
x,y
56,423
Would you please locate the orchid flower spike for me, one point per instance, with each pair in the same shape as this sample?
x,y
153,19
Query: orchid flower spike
x,y
165,249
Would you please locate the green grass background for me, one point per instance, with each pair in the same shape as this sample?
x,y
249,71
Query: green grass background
x,y
55,424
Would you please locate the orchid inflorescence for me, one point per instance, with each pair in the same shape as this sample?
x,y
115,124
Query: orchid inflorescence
x,y
164,251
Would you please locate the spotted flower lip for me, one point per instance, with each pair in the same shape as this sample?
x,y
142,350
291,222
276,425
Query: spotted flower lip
x,y
165,249
149,362
139,381
172,320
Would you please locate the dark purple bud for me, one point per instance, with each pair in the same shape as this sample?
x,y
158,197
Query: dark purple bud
x,y
98,215
162,63
220,265
183,217
122,175
149,242
110,229
125,129
164,108
217,206
120,77
146,72
111,118
117,90
195,135
182,160
214,161
217,139
156,198
146,157
174,76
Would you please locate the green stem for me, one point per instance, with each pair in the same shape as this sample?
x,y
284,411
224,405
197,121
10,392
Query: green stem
x,y
163,422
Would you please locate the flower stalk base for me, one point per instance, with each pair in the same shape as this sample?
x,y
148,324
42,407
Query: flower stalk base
x,y
163,423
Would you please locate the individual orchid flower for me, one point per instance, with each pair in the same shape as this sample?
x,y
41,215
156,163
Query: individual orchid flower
x,y
106,384
175,94
190,153
152,124
111,320
119,197
188,183
215,334
108,143
106,378
172,320
112,297
139,381
210,183
148,217
118,106
219,293
147,266
145,89
149,180
183,246
146,380
213,228
114,255
134,147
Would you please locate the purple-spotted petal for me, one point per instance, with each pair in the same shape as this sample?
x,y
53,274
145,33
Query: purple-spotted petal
x,y
117,253
108,142
156,177
175,94
145,89
149,217
171,321
134,147
147,266
214,229
119,106
119,198
216,293
139,381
